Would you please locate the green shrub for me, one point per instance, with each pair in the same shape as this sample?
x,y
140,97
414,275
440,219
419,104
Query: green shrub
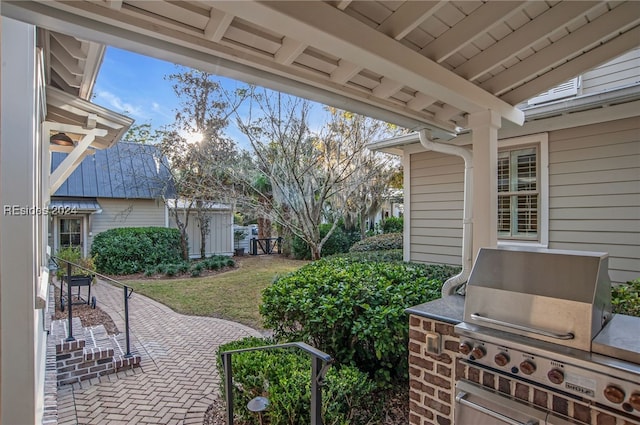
x,y
284,377
73,254
387,255
131,250
171,270
625,298
353,310
393,225
379,243
339,242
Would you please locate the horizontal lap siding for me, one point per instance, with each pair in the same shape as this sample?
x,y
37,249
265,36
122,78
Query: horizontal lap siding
x,y
594,193
127,213
621,71
437,185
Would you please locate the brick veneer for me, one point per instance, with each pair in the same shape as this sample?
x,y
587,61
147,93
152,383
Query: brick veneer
x,y
432,382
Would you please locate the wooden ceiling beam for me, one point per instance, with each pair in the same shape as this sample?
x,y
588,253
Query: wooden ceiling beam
x,y
566,71
558,16
289,51
483,19
217,25
387,88
408,16
584,38
324,27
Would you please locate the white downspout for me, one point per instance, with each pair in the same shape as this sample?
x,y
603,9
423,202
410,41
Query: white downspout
x,y
453,283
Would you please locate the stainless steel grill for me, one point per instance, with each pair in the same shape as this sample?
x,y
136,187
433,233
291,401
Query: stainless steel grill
x,y
563,297
543,318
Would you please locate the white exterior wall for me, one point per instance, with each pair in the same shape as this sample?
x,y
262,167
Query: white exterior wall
x,y
22,237
220,238
125,213
594,193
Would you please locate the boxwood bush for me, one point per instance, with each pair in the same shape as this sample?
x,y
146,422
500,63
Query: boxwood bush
x,y
130,250
353,310
378,243
284,377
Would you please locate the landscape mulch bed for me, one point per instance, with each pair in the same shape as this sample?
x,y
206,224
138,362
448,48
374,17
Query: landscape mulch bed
x,y
395,410
88,316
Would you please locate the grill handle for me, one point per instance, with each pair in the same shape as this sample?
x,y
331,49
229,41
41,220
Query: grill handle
x,y
460,398
550,334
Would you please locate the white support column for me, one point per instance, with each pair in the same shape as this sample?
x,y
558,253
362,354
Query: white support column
x,y
22,361
484,132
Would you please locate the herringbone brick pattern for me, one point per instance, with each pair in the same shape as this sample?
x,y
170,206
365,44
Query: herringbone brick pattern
x,y
177,379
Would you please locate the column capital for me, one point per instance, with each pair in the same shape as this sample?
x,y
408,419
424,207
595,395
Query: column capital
x,y
487,118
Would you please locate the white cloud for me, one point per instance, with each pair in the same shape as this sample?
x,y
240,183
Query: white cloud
x,y
114,102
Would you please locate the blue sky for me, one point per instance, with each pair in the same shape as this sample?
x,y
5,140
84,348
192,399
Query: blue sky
x,y
134,85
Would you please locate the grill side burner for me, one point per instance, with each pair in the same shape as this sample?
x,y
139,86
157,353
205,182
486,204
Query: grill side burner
x,y
562,297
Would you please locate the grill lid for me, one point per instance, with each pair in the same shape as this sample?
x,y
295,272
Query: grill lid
x,y
563,297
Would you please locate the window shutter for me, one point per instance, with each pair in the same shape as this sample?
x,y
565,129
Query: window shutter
x,y
570,88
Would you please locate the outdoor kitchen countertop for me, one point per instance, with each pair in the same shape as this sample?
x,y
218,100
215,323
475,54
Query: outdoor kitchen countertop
x,y
449,309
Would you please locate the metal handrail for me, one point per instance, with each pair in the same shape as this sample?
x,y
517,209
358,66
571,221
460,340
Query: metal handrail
x,y
320,362
128,291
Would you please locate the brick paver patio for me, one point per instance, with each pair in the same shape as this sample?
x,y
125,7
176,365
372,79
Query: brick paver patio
x,y
177,379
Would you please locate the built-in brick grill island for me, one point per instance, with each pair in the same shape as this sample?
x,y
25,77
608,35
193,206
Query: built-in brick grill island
x,y
536,344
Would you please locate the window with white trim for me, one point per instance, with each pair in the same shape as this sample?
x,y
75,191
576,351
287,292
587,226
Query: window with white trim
x,y
522,190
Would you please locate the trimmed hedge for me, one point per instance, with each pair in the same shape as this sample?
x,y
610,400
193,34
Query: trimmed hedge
x,y
131,250
284,377
379,243
353,310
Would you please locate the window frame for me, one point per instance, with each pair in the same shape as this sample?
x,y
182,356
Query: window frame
x,y
541,142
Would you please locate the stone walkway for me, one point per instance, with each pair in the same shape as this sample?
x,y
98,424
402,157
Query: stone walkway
x,y
177,379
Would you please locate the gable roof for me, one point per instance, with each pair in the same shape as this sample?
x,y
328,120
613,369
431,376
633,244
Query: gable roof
x,y
125,171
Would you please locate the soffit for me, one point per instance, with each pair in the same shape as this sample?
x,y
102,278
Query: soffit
x,y
418,64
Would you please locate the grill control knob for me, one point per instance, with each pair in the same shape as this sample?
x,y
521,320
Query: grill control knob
x,y
527,367
464,348
556,376
634,401
501,359
478,352
614,394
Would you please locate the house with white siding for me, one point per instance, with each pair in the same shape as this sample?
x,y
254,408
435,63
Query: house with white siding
x,y
569,178
127,185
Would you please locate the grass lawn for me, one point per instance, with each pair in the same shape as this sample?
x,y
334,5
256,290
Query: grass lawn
x,y
233,295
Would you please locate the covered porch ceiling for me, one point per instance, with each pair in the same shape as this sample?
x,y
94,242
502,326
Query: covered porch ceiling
x,y
419,64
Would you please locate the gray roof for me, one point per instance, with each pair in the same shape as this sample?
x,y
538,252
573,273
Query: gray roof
x,y
126,170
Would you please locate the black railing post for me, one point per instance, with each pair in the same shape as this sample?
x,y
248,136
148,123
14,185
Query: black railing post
x,y
69,303
254,246
126,320
228,386
316,391
280,245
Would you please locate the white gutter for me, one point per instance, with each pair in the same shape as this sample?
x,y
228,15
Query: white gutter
x,y
453,283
